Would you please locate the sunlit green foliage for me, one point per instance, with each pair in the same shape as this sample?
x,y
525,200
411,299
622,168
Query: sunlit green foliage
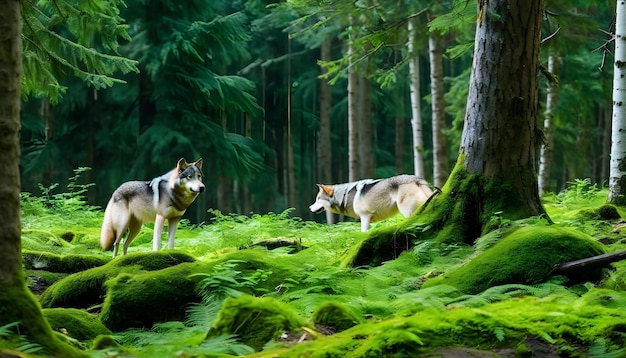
x,y
232,260
64,38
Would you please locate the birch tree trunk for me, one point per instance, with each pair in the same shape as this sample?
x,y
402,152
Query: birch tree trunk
x,y
353,123
436,46
17,303
416,113
545,155
495,173
617,179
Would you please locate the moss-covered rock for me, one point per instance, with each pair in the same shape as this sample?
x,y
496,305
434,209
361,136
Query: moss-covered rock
x,y
86,288
105,341
336,315
558,322
379,247
144,298
255,320
525,256
75,323
38,260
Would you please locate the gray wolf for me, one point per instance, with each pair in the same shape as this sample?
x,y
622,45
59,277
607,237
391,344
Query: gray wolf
x,y
372,200
134,203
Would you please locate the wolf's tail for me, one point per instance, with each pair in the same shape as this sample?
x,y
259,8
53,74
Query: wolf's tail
x,y
107,234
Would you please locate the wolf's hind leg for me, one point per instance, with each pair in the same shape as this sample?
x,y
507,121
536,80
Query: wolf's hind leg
x,y
133,230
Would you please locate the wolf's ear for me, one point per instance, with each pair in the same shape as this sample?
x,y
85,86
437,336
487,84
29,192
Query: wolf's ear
x,y
328,189
182,164
198,163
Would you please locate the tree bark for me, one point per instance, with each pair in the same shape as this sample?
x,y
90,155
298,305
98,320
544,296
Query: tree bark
x,y
495,175
291,166
590,262
353,124
367,165
436,46
545,156
17,303
617,179
324,148
324,166
416,107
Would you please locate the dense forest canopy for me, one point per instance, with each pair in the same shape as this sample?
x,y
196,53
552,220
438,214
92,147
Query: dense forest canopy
x,y
238,83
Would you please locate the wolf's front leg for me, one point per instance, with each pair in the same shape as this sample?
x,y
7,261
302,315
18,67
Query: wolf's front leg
x,y
365,223
172,224
158,231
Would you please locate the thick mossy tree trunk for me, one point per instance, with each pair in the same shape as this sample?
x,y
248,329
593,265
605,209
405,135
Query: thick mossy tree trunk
x,y
495,174
17,304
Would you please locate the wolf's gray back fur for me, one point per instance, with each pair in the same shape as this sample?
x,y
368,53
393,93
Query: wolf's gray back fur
x,y
371,200
166,197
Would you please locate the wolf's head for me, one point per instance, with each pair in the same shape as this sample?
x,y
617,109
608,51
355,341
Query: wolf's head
x,y
189,176
323,200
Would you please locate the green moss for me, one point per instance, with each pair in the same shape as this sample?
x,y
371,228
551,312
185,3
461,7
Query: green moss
x,y
150,261
75,323
336,315
40,260
255,320
144,298
559,322
17,304
392,343
526,256
86,288
608,212
105,341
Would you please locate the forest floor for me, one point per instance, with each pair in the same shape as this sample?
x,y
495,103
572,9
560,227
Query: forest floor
x,y
301,265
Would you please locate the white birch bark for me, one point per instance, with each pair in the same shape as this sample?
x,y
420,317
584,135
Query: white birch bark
x,y
416,116
545,155
440,141
617,179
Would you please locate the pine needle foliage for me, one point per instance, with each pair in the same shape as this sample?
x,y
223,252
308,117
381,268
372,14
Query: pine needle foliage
x,y
68,38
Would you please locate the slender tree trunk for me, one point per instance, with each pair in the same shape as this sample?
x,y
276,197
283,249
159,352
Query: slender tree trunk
x,y
324,166
367,164
49,130
17,303
495,173
606,142
246,205
324,149
545,156
617,179
353,123
224,183
416,108
399,143
291,167
436,45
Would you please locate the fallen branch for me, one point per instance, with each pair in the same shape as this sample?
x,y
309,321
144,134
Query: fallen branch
x,y
590,262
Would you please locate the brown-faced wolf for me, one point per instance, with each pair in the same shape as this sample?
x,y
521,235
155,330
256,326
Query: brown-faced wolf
x,y
371,200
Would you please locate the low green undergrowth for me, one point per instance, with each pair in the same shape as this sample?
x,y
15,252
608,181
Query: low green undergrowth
x,y
276,264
